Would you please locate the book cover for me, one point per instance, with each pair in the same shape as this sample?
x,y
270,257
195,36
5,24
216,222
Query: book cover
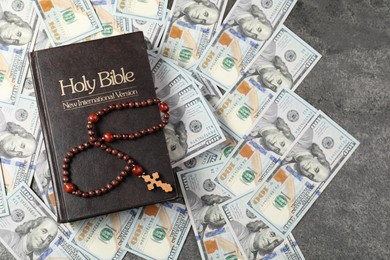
x,y
73,81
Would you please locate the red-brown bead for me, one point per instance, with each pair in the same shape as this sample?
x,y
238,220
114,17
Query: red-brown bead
x,y
93,118
137,170
108,137
164,107
69,187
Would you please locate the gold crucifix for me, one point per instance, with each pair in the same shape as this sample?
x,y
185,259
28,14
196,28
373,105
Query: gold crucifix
x,y
154,181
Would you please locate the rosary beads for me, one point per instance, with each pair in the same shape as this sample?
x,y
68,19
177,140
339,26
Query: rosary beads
x,y
103,144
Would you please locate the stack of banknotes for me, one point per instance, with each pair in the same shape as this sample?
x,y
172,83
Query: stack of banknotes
x,y
251,156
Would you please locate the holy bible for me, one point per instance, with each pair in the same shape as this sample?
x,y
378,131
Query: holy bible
x,y
71,83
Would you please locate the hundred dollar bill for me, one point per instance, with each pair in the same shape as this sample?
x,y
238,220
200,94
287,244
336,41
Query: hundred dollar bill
x,y
3,197
152,31
249,24
28,91
17,37
43,179
104,236
209,90
182,96
111,24
217,153
142,9
255,239
168,77
202,197
20,135
68,21
191,26
284,62
239,108
159,231
30,231
192,127
313,161
42,42
152,57
267,140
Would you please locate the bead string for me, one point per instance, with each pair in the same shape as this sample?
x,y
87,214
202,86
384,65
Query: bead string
x,y
108,137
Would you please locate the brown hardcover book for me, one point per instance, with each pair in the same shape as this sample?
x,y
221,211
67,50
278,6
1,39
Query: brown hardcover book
x,y
73,81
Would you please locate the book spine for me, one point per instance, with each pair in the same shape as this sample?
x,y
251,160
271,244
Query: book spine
x,y
40,96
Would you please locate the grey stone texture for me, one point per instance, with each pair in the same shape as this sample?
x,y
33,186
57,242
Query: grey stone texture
x,y
351,83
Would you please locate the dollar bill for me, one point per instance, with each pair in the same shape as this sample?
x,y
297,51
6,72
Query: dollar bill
x,y
168,77
209,90
42,177
68,21
42,42
239,108
152,31
159,231
249,24
152,57
255,239
180,77
30,231
20,136
217,153
104,236
202,197
192,127
258,153
4,211
28,91
142,9
182,96
111,24
313,161
191,26
17,37
285,62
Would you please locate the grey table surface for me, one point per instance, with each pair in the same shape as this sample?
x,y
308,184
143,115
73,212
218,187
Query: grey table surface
x,y
351,83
